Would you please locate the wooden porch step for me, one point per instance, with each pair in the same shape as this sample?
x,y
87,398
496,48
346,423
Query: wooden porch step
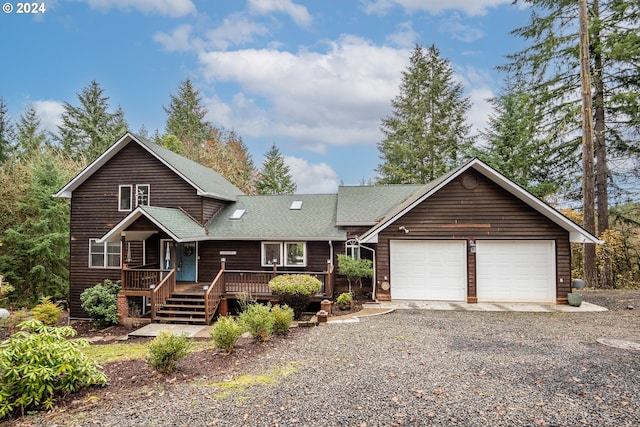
x,y
188,307
192,301
181,313
165,319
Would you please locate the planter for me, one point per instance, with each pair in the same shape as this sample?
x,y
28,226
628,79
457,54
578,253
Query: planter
x,y
575,300
578,284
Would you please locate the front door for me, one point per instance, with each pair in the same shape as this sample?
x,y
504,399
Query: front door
x,y
182,256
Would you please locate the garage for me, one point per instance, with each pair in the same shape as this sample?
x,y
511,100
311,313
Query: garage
x,y
515,270
429,269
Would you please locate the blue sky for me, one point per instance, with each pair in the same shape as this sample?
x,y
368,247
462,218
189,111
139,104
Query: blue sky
x,y
314,77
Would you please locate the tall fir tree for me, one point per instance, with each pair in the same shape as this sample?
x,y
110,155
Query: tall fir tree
x,y
513,145
426,135
226,153
88,129
551,64
185,119
275,177
31,139
7,132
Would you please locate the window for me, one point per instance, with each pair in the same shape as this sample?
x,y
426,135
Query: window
x,y
295,254
104,255
271,251
142,194
124,198
352,249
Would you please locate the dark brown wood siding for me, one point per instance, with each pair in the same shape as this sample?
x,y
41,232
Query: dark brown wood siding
x,y
94,211
485,211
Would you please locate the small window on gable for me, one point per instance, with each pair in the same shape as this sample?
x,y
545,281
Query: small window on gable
x,y
296,205
142,194
124,198
237,214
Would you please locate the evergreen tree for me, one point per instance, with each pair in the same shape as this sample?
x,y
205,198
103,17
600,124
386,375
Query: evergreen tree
x,y
226,153
514,147
6,132
185,119
426,135
89,129
31,140
34,254
275,176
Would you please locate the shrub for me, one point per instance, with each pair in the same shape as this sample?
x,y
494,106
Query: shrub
x,y
355,269
295,290
101,302
258,321
225,333
344,299
47,312
166,349
282,318
38,363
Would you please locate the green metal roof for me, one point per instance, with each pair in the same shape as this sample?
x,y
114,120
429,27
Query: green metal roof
x,y
176,223
206,179
271,217
366,205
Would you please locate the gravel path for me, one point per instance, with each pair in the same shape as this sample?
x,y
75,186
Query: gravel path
x,y
411,368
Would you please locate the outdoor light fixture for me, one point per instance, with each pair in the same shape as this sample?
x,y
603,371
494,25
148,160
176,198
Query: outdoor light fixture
x,y
472,246
403,228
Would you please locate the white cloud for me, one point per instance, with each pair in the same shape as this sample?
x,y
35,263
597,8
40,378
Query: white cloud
x,y
312,178
235,30
406,36
299,14
171,8
460,30
50,113
335,97
178,40
469,7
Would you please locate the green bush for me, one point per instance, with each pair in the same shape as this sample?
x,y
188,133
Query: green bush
x,y
258,321
344,299
282,318
47,312
355,269
101,302
166,350
225,333
38,363
295,290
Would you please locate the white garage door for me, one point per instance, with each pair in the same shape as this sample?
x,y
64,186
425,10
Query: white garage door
x,y
515,270
429,270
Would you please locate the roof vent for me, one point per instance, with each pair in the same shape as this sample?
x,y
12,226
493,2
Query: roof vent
x,y
296,205
237,214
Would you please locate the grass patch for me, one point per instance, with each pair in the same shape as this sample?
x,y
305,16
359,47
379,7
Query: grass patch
x,y
116,352
244,382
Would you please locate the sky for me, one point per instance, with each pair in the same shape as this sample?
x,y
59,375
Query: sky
x,y
314,77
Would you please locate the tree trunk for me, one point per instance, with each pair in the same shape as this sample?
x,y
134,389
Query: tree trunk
x,y
602,169
588,181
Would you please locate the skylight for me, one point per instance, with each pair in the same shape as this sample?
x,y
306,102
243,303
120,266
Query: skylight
x,y
296,205
237,214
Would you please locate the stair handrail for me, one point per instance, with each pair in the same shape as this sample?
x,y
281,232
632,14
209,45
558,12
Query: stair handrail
x,y
213,295
162,291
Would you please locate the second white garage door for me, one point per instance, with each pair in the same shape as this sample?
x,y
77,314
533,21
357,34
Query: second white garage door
x,y
429,270
515,270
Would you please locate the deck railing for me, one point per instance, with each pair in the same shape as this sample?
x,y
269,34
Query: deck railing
x,y
142,279
257,282
161,292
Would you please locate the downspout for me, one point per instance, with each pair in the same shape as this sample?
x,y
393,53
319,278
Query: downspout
x,y
331,263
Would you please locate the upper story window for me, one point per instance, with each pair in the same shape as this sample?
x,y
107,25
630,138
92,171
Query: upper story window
x,y
289,254
104,255
142,194
124,197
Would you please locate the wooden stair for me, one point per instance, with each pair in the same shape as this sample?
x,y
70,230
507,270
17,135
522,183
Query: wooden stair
x,y
183,307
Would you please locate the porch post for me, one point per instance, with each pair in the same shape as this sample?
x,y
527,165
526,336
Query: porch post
x,y
122,260
275,268
328,286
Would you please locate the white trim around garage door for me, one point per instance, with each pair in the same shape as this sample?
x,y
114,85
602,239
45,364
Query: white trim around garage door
x,y
428,269
515,271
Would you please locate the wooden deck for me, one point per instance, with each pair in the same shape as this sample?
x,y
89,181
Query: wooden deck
x,y
162,288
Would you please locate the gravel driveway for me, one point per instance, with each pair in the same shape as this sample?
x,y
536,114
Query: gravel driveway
x,y
413,368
